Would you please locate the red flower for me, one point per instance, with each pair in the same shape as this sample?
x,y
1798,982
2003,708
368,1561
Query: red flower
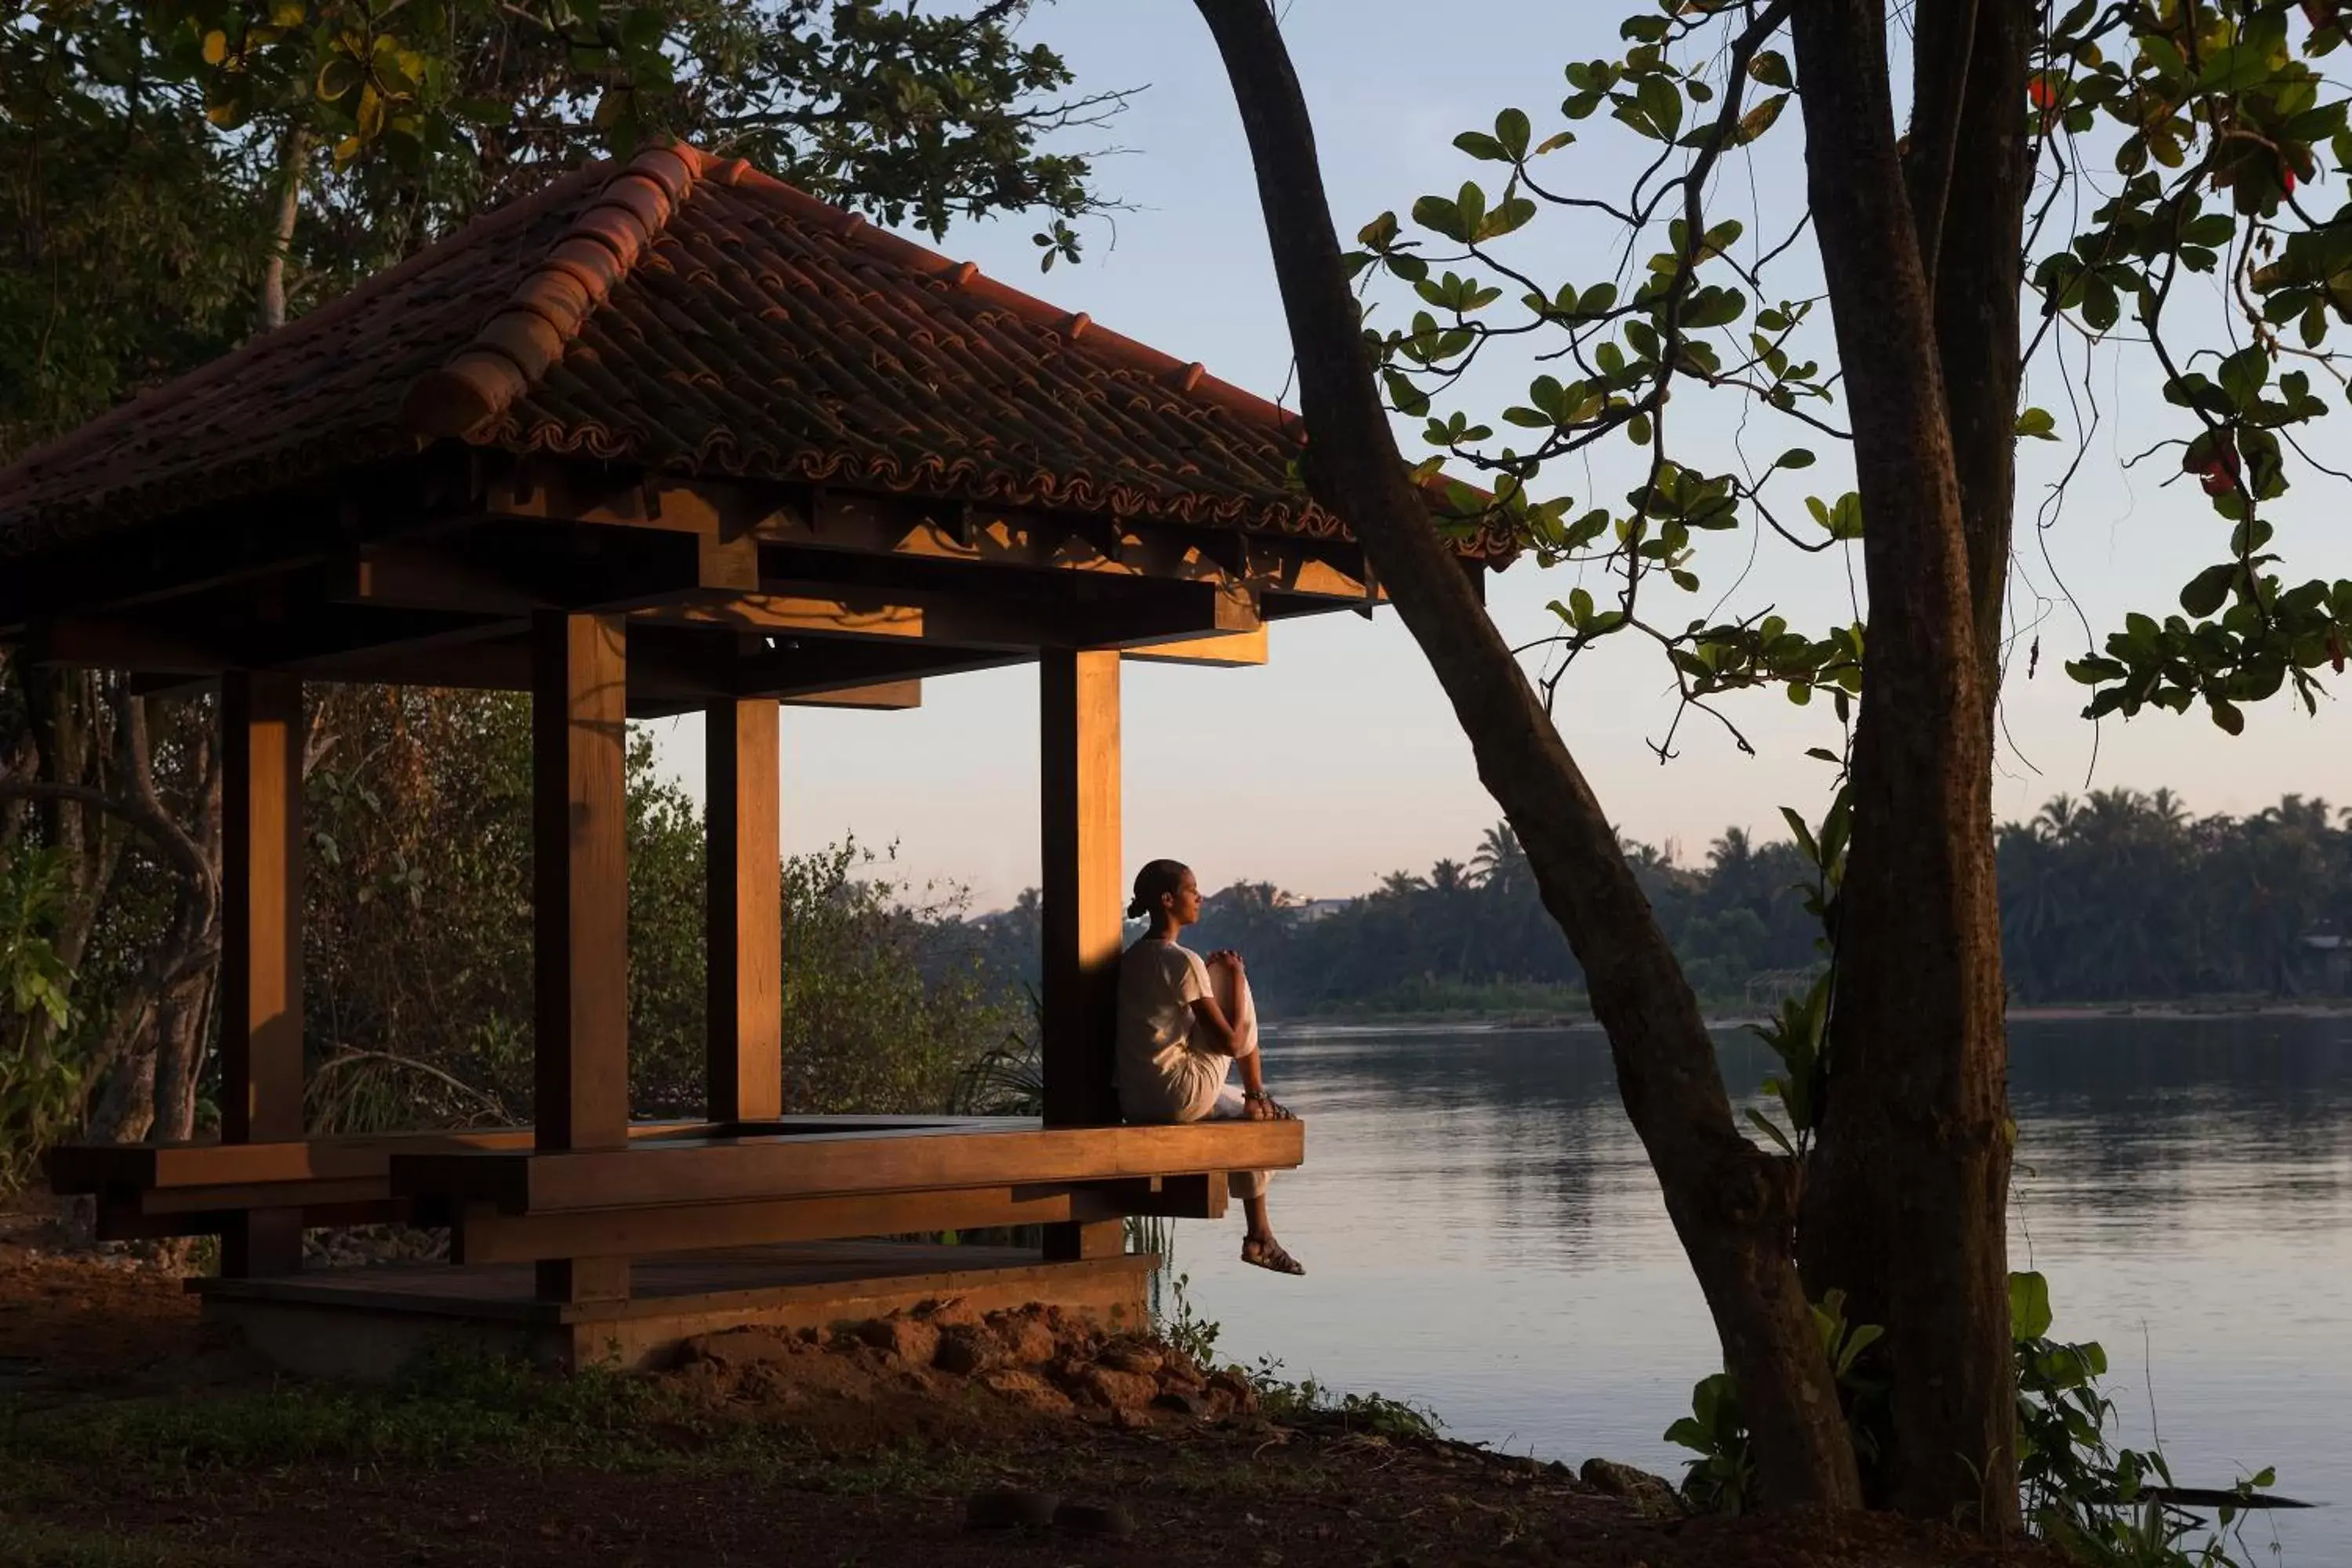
x,y
2043,94
2216,469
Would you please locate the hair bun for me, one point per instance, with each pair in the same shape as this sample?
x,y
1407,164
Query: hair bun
x,y
1136,908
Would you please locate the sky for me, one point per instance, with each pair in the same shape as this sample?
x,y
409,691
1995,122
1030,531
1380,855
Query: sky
x,y
1339,761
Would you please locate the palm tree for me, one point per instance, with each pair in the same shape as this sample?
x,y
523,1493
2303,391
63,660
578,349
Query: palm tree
x,y
2057,818
1500,863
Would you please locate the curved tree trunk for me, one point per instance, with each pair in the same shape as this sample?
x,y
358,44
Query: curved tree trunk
x,y
1732,1207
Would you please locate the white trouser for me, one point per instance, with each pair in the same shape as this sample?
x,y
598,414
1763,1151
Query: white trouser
x,y
1240,1008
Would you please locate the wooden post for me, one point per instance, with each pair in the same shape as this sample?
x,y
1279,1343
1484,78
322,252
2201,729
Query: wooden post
x,y
743,918
1078,779
261,947
579,721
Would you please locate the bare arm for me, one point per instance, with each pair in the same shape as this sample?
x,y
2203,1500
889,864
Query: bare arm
x,y
1212,1027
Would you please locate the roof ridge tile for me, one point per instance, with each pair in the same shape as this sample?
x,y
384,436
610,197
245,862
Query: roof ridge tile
x,y
529,332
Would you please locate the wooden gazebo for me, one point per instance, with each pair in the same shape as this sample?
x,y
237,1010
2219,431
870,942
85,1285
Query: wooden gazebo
x,y
668,437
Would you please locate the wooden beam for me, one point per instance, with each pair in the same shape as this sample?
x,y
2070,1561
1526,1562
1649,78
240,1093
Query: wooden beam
x,y
743,927
261,946
581,909
1078,778
815,669
97,642
691,1170
1017,616
1201,1197
808,614
884,697
136,1167
239,539
676,671
423,577
201,637
916,529
482,1235
116,1222
1229,650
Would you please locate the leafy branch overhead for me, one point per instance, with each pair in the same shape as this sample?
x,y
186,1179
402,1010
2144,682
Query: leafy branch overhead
x,y
915,113
173,165
2228,146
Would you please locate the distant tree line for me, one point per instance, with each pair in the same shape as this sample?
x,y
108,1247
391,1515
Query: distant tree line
x,y
2115,895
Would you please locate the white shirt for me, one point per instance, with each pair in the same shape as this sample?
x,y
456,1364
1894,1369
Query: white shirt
x,y
1161,1076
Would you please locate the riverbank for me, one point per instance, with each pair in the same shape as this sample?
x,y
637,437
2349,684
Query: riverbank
x,y
1735,1016
129,1434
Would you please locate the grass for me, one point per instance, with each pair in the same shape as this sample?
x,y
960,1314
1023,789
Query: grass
x,y
452,1410
25,1544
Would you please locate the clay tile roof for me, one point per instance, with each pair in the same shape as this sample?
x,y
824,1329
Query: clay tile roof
x,y
691,314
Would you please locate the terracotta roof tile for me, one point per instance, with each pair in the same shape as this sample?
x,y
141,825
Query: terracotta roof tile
x,y
691,314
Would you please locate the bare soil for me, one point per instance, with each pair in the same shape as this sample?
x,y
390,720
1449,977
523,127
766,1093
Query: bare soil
x,y
867,1446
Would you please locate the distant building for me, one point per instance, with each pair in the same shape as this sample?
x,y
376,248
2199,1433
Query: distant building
x,y
2324,963
1308,911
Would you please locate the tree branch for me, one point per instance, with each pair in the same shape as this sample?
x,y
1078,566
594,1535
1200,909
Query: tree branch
x,y
1943,37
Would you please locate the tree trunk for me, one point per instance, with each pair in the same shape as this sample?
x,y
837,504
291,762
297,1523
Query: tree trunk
x,y
182,1027
1909,1180
152,1053
291,154
1732,1205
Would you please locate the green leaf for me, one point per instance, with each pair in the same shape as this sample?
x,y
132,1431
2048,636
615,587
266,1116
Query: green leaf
x,y
644,28
1470,202
1513,130
1441,216
2029,1305
1662,104
1864,1335
1771,67
2038,423
1766,1125
2245,373
1802,833
2209,589
2101,310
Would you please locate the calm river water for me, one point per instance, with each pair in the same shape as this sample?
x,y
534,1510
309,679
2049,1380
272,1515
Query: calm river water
x,y
1484,1237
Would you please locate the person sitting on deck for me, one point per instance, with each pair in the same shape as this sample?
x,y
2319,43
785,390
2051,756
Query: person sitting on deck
x,y
1182,1024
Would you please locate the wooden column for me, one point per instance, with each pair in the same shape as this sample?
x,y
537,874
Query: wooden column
x,y
1078,780
579,721
261,947
743,918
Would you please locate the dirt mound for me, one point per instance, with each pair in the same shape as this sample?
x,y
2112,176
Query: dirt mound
x,y
944,1356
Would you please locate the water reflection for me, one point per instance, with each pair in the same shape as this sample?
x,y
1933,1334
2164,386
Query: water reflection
x,y
1484,1235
